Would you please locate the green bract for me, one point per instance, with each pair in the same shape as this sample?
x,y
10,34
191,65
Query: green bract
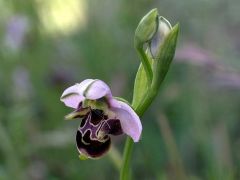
x,y
164,58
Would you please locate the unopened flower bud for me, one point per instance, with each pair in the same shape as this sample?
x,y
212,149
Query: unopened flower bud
x,y
164,27
146,28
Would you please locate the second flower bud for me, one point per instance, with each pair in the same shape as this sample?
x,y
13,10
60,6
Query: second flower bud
x,y
152,29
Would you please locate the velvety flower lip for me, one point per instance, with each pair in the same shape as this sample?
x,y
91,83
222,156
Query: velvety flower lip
x,y
97,124
93,134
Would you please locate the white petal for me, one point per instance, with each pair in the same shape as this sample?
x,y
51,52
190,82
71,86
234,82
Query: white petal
x,y
130,122
97,89
73,95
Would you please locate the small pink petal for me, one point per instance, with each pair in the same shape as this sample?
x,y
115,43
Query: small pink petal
x,y
73,95
130,121
82,86
97,89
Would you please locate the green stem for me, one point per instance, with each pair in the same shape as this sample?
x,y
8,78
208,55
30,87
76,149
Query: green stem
x,y
128,148
139,109
143,106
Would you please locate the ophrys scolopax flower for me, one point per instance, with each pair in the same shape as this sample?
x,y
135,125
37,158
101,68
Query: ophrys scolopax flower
x,y
102,115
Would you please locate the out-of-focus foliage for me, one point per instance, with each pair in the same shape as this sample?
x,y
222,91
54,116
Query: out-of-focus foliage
x,y
192,129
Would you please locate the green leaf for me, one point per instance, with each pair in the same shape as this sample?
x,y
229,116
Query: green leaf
x,y
140,85
166,54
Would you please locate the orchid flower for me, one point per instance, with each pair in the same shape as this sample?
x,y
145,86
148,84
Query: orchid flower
x,y
102,115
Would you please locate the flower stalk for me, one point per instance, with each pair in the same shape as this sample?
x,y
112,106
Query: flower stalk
x,y
164,45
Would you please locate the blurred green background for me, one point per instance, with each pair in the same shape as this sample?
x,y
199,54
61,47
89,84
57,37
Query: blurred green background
x,y
192,130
